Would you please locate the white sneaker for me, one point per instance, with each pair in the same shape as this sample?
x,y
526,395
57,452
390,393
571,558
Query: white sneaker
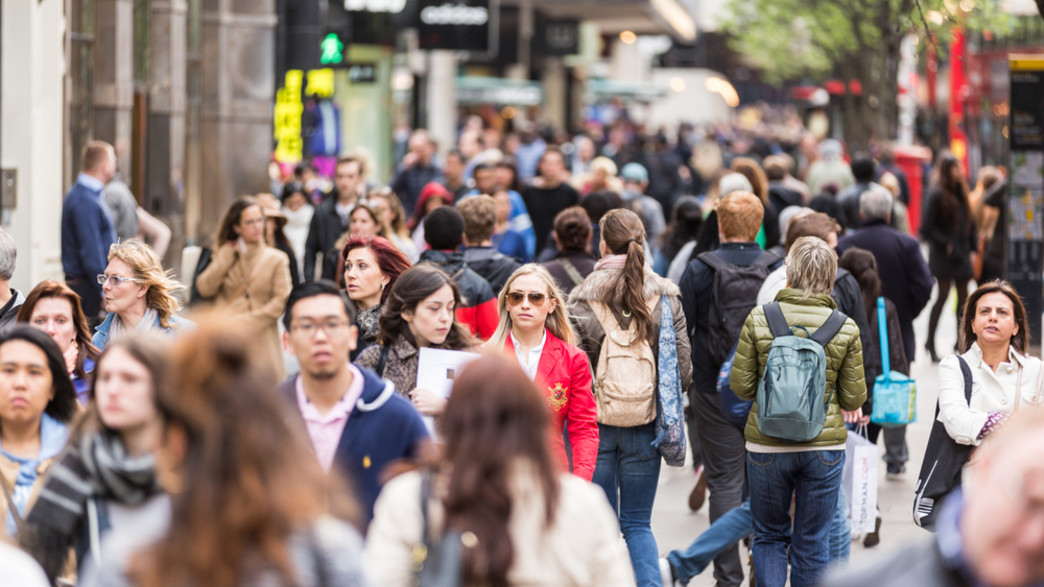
x,y
667,574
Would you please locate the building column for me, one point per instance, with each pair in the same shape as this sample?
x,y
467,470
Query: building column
x,y
238,95
555,79
114,77
442,99
32,120
165,149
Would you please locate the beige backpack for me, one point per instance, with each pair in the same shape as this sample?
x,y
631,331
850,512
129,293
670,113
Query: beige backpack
x,y
625,377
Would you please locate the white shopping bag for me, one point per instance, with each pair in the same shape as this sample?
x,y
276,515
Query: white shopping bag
x,y
860,479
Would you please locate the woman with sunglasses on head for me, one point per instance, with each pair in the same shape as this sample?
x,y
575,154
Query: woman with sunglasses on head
x,y
418,313
137,293
624,300
248,279
535,329
104,483
55,309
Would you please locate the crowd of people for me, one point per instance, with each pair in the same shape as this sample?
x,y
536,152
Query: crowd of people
x,y
629,298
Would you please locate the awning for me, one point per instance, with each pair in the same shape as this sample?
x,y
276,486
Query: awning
x,y
641,91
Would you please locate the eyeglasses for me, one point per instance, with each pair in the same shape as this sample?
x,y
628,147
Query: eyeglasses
x,y
114,280
515,298
309,329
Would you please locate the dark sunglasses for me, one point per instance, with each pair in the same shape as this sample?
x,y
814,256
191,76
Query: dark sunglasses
x,y
515,298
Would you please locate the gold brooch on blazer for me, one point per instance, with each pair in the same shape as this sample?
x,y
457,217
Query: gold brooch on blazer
x,y
559,396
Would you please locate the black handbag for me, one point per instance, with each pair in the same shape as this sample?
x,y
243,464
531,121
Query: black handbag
x,y
943,460
435,564
205,256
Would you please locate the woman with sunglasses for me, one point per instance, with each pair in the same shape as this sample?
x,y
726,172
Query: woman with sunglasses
x,y
137,293
248,279
55,309
535,329
623,299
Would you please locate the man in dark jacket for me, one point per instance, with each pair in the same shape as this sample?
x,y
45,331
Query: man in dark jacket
x,y
331,218
354,419
480,217
723,448
418,169
905,277
444,231
863,169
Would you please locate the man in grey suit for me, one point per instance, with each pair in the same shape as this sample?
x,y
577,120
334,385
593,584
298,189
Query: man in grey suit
x,y
992,533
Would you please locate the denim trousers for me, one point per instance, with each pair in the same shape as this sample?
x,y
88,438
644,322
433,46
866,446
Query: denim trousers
x,y
840,531
813,479
725,532
628,470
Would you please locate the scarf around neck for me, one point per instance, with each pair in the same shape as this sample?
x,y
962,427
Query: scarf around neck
x,y
148,321
97,465
611,262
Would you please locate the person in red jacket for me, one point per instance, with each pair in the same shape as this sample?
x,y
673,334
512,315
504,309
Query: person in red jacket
x,y
444,233
535,329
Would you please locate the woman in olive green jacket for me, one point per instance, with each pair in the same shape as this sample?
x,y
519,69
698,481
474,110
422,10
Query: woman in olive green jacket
x,y
810,471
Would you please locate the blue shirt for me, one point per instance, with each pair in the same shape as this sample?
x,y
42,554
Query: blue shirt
x,y
87,230
53,435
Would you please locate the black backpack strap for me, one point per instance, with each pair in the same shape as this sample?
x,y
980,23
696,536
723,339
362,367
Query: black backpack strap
x,y
966,371
713,260
829,329
766,259
776,320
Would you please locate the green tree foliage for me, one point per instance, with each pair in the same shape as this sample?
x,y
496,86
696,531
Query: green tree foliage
x,y
850,40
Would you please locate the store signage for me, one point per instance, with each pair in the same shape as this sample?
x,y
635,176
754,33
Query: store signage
x,y
459,25
362,73
287,119
389,6
558,37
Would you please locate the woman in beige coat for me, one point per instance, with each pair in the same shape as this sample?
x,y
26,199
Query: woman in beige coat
x,y
249,280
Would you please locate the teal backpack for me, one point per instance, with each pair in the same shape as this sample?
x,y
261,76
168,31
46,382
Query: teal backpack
x,y
792,396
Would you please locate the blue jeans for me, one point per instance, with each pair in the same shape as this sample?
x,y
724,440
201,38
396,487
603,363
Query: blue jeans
x,y
723,533
814,480
628,470
840,531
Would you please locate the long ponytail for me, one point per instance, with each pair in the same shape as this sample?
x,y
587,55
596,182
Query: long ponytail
x,y
623,233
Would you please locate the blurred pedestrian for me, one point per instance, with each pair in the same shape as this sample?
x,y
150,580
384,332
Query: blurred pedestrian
x,y
779,471
249,504
249,280
417,170
11,299
275,236
499,491
432,196
623,299
139,294
829,168
55,309
104,484
37,405
299,211
371,267
385,202
418,313
480,216
535,329
87,231
686,219
573,262
949,228
864,170
548,195
769,235
635,182
330,219
356,423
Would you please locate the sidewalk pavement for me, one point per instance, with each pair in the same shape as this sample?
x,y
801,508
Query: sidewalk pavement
x,y
675,526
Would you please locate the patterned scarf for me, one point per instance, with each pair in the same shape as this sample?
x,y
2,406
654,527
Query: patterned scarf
x,y
98,465
367,322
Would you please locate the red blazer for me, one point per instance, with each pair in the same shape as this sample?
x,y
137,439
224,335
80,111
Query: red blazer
x,y
564,375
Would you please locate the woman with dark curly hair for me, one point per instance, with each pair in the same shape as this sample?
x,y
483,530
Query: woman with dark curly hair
x,y
419,312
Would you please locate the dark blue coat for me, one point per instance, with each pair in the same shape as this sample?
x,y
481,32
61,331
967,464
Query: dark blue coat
x,y
905,278
382,428
87,233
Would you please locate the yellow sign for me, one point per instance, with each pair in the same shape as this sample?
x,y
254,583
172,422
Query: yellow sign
x,y
320,83
287,119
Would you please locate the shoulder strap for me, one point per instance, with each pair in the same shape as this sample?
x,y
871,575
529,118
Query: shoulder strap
x,y
712,259
571,271
776,320
829,329
966,371
382,361
11,504
603,315
765,259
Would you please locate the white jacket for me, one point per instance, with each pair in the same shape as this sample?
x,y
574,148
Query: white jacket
x,y
991,392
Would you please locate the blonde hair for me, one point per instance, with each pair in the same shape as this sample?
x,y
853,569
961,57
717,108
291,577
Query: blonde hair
x,y
557,321
149,271
811,266
605,164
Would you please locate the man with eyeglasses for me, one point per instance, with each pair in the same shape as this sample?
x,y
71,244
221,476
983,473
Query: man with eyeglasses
x,y
87,231
357,423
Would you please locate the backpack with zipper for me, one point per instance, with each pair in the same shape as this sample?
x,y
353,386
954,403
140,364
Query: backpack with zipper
x,y
625,376
734,293
792,394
